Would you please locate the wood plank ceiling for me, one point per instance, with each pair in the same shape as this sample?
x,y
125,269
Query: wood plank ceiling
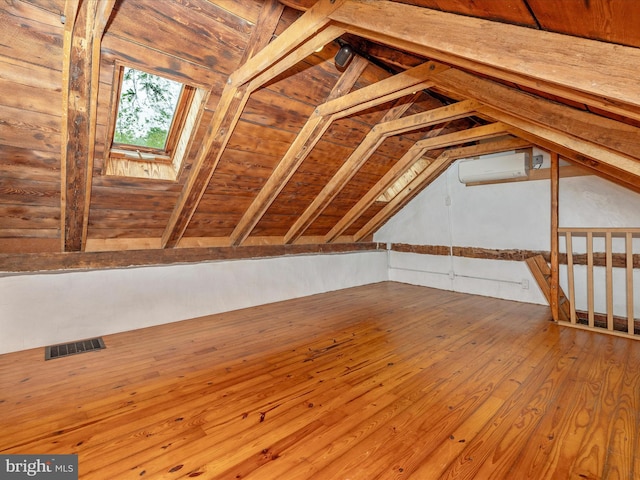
x,y
288,149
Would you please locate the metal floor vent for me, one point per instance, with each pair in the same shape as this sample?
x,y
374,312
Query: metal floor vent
x,y
66,349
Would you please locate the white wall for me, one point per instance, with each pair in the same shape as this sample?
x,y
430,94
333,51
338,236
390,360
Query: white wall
x,y
500,216
44,309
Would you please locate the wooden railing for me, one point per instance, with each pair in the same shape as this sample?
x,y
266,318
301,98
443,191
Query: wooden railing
x,y
610,321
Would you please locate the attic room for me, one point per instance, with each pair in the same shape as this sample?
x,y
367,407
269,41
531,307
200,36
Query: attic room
x,y
320,239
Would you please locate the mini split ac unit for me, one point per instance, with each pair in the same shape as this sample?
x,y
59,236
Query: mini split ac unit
x,y
493,167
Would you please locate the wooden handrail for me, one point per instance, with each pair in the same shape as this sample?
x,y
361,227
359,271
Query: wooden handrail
x,y
614,230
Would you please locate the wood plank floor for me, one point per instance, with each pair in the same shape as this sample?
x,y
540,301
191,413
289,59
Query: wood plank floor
x,y
385,381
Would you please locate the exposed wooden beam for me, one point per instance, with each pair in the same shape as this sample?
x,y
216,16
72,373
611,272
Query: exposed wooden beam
x,y
391,88
334,108
604,145
624,179
85,26
303,5
264,28
539,174
602,134
228,111
616,164
462,136
271,60
304,142
619,260
427,176
599,70
390,125
314,20
323,37
565,172
446,113
363,151
44,262
404,173
393,58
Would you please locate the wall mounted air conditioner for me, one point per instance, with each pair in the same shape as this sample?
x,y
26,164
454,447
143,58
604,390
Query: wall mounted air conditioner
x,y
493,167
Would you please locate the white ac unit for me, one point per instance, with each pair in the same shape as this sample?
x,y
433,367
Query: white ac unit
x,y
493,167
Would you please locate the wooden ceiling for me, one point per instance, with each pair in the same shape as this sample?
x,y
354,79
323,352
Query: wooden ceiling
x,y
288,149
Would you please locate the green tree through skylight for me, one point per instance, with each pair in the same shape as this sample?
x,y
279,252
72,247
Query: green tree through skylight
x,y
146,108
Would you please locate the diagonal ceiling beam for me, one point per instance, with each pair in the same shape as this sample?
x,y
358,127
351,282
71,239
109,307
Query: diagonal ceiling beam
x,y
537,59
391,88
304,142
85,24
388,127
381,92
407,160
433,170
462,136
297,42
595,167
265,27
363,151
590,140
612,162
323,37
588,128
313,20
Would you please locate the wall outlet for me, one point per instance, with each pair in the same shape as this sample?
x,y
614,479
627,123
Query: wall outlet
x,y
525,284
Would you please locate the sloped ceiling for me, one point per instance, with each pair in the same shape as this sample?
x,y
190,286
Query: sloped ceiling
x,y
289,150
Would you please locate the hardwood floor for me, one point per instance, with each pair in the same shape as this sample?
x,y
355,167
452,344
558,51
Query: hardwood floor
x,y
385,381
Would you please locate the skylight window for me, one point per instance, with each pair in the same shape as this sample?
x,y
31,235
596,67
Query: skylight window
x,y
146,109
152,124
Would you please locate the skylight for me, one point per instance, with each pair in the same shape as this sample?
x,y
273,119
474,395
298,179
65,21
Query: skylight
x,y
146,109
152,124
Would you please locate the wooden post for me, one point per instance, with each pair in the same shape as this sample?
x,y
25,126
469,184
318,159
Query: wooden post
x,y
609,277
553,281
629,253
81,74
572,290
590,301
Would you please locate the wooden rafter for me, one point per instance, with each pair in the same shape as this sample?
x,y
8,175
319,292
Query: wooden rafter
x,y
274,58
314,43
433,170
625,179
230,106
395,112
602,133
334,108
365,18
268,19
617,165
596,73
462,136
602,144
405,83
304,29
85,26
310,134
389,126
